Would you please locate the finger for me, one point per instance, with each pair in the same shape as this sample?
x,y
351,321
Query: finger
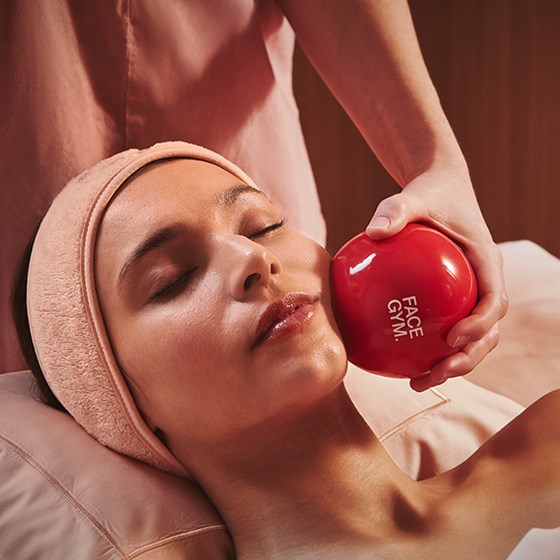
x,y
459,364
487,262
423,383
392,215
486,314
469,357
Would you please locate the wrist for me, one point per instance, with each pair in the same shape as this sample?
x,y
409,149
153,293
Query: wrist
x,y
420,150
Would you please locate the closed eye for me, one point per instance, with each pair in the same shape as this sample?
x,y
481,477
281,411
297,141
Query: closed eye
x,y
268,229
170,289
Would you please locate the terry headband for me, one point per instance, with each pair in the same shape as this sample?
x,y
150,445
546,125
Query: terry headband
x,y
67,327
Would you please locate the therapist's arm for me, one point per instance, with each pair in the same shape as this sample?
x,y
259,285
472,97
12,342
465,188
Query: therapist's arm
x,y
367,53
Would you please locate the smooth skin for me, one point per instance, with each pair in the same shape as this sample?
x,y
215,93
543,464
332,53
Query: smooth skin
x,y
367,53
268,430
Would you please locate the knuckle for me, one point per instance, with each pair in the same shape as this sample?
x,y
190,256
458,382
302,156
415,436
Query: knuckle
x,y
498,255
466,365
462,364
503,300
394,205
502,295
493,338
481,327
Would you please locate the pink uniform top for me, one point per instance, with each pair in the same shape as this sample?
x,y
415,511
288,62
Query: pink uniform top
x,y
80,81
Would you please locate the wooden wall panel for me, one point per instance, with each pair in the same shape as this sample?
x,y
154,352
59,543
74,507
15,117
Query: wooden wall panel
x,y
496,66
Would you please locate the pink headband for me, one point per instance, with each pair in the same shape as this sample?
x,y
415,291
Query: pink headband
x,y
66,324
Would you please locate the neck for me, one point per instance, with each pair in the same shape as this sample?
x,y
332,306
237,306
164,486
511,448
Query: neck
x,y
320,479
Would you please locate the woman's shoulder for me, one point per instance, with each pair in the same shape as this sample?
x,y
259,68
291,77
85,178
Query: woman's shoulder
x,y
526,455
486,505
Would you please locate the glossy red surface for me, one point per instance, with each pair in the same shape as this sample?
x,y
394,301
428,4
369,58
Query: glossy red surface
x,y
395,300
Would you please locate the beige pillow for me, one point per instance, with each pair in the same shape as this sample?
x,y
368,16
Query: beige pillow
x,y
64,496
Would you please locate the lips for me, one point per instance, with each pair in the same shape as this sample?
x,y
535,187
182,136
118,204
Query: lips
x,y
285,315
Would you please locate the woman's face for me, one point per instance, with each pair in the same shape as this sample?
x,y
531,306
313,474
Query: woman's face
x,y
218,313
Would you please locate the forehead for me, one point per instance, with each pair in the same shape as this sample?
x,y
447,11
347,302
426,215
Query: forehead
x,y
173,193
177,178
165,188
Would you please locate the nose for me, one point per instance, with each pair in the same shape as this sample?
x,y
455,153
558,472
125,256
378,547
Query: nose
x,y
249,266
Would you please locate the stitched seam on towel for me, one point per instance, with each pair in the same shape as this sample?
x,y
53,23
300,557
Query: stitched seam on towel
x,y
392,431
64,493
176,538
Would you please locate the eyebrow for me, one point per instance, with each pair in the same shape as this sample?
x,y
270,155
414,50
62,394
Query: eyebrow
x,y
166,235
228,197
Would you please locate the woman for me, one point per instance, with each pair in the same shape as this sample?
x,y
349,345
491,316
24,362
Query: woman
x,y
199,338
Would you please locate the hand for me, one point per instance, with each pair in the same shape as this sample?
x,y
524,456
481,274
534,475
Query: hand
x,y
445,200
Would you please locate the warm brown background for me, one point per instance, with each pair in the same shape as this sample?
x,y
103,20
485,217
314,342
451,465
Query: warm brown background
x,y
496,66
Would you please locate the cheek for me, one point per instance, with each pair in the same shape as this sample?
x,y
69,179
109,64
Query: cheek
x,y
311,262
167,342
166,360
185,375
303,256
180,354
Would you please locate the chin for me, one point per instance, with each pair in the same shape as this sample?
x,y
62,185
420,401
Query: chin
x,y
318,371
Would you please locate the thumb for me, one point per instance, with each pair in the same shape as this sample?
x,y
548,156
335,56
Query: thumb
x,y
391,216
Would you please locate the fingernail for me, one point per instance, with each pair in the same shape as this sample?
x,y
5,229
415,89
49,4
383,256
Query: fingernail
x,y
379,222
460,341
